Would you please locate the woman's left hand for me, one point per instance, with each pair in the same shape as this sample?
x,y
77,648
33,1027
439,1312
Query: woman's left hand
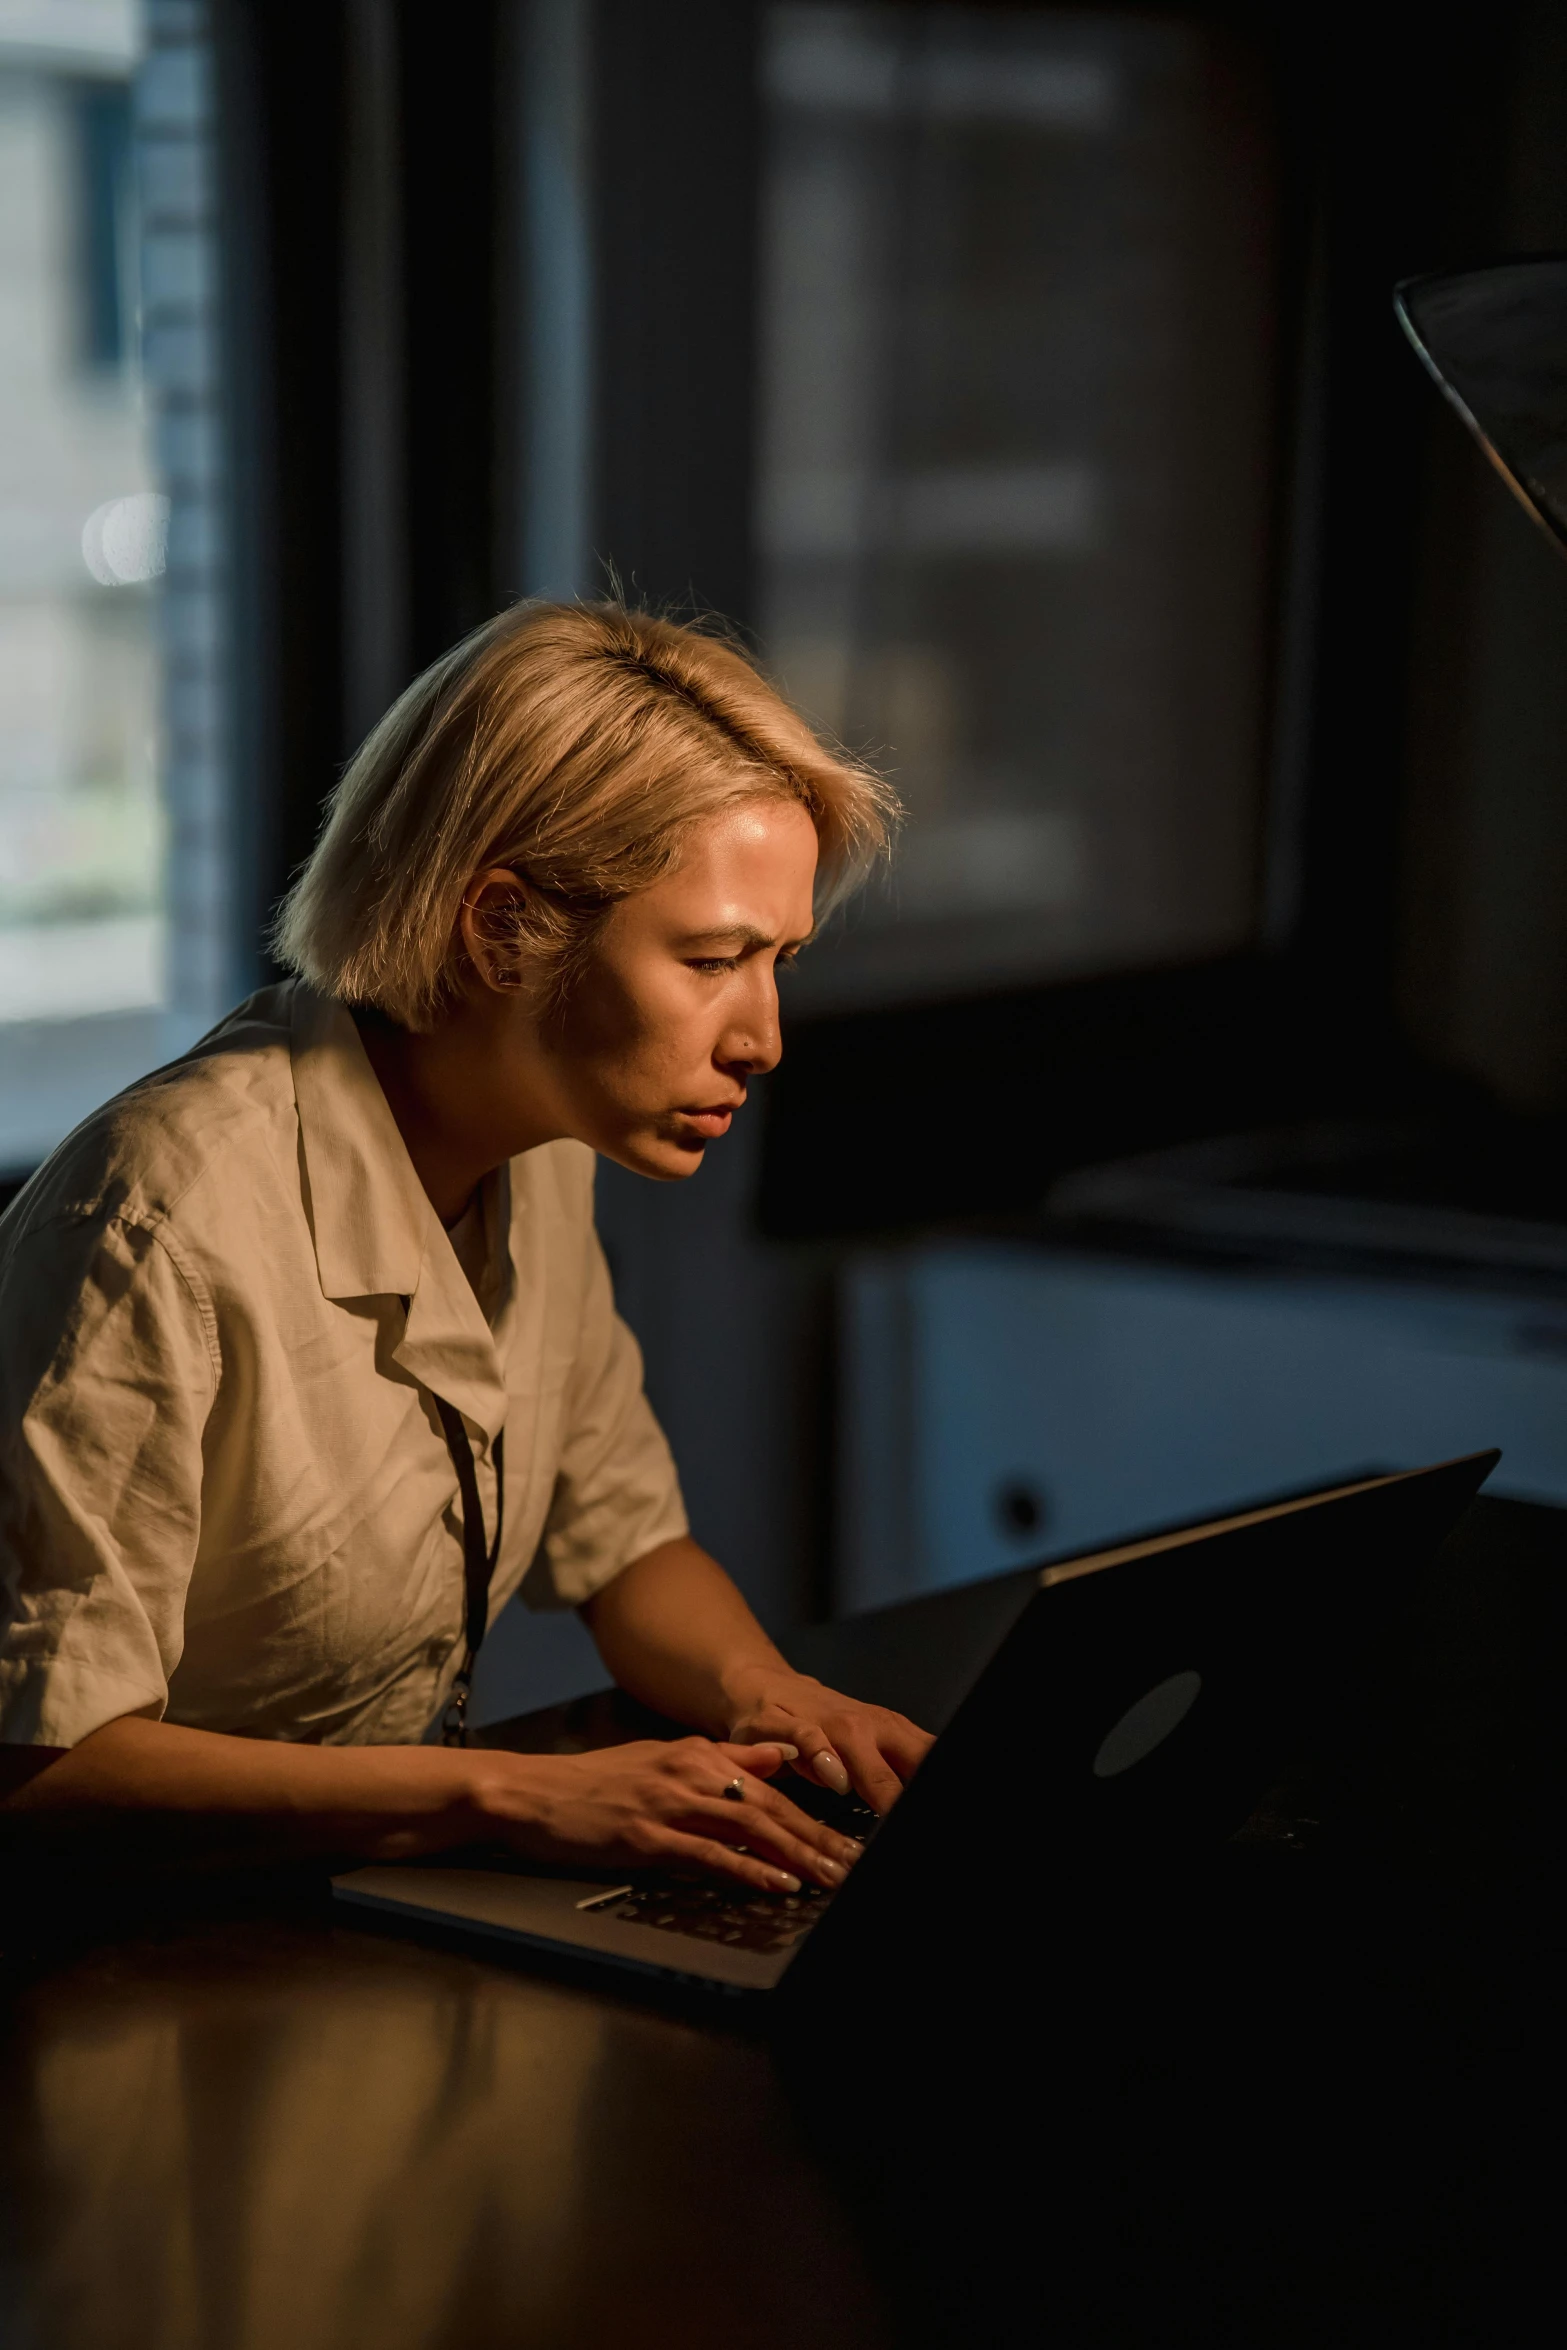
x,y
841,1743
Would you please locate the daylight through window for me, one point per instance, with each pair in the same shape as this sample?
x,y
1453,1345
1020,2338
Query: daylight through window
x,y
114,930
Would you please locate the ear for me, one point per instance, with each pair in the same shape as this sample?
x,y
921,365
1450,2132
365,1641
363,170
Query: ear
x,y
493,922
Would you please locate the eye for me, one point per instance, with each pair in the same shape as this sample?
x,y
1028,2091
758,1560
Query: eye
x,y
713,963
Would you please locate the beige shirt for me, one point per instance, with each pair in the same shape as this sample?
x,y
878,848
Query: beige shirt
x,y
225,1307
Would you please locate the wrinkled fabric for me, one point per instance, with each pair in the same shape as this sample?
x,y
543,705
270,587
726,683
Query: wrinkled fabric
x,y
226,1308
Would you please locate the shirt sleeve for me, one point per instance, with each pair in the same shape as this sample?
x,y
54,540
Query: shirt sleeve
x,y
106,1380
616,1495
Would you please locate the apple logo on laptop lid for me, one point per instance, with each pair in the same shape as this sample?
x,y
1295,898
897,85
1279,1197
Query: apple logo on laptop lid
x,y
1146,1724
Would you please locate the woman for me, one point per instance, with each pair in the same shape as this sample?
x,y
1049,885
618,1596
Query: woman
x,y
308,1359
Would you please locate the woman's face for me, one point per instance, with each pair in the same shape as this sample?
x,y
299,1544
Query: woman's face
x,y
679,1006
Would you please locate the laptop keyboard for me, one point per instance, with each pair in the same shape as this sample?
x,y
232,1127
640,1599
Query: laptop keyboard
x,y
736,1915
768,1922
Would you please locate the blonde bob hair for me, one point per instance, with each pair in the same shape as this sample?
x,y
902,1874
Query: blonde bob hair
x,y
576,744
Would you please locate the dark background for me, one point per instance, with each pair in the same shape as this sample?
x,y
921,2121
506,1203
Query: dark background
x,y
1407,143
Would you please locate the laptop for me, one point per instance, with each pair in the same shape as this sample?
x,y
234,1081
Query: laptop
x,y
1145,1700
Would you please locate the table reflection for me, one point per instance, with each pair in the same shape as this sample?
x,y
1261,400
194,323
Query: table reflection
x,y
274,2137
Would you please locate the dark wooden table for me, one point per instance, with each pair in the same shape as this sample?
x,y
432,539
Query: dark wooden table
x,y
231,2121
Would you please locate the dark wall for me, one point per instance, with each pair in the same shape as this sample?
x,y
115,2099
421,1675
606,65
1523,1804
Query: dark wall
x,y
675,136
1400,139
1402,143
366,188
280,156
453,193
362,183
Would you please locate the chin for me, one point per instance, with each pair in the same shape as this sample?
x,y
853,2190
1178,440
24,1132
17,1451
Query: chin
x,y
673,1165
659,1160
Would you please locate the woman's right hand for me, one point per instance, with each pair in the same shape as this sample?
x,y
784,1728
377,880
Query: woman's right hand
x,y
654,1804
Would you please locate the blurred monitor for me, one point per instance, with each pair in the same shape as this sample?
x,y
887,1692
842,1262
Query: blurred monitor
x,y
1015,479
114,938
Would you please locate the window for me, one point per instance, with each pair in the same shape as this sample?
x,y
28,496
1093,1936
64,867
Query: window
x,y
114,932
1014,475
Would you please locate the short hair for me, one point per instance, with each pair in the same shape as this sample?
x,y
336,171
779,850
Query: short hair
x,y
577,744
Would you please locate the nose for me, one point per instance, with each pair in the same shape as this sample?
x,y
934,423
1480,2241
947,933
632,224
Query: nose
x,y
752,1043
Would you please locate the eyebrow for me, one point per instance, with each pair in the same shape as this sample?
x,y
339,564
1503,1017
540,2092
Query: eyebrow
x,y
745,933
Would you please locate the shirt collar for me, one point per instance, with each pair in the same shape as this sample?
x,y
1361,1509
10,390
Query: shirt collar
x,y
374,1229
368,1210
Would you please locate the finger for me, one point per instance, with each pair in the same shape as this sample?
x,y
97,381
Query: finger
x,y
906,1749
904,1742
874,1777
819,1759
675,1849
762,1758
766,1808
758,1832
759,1794
896,1740
772,1803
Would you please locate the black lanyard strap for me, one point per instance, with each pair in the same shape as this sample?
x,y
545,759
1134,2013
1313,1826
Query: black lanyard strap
x,y
478,1563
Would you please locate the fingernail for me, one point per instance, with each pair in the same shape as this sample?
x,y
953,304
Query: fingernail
x,y
784,1882
828,1767
834,1869
789,1753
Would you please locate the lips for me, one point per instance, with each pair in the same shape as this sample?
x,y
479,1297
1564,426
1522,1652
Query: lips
x,y
708,1123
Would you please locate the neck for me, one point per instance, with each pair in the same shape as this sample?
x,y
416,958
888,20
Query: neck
x,y
440,1088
